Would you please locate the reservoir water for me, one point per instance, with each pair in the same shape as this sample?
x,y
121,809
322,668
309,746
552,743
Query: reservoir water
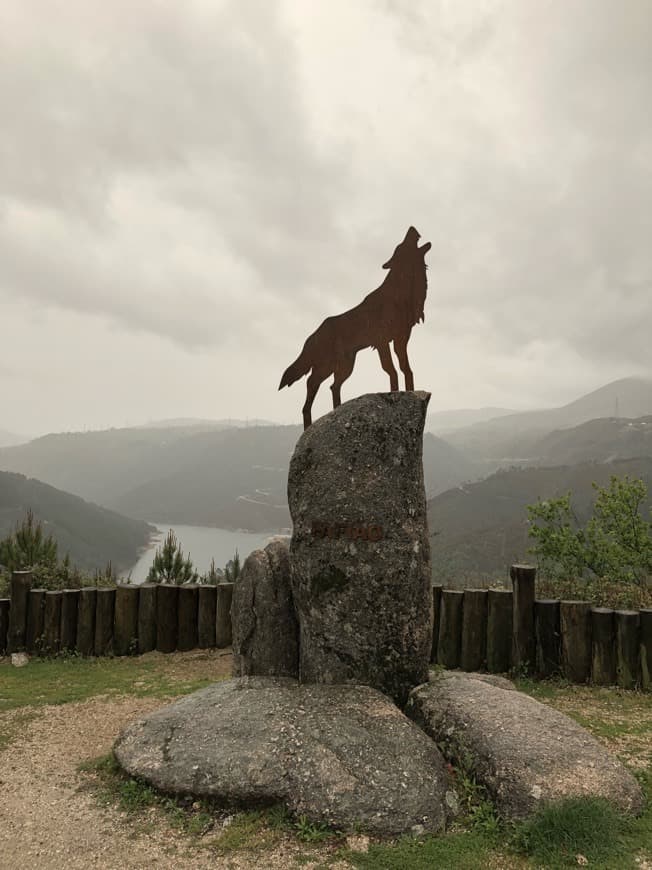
x,y
202,544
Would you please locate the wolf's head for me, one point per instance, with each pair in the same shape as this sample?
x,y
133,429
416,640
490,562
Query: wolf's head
x,y
405,252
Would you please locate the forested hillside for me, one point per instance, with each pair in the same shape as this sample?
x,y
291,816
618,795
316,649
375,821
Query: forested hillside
x,y
479,530
92,535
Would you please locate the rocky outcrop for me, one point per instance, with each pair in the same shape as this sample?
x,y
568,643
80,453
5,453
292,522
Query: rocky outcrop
x,y
360,556
265,628
341,755
524,752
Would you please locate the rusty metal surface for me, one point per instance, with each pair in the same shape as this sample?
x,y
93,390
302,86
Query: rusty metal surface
x,y
385,316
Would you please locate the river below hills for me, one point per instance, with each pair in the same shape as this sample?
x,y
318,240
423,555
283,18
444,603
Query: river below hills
x,y
202,544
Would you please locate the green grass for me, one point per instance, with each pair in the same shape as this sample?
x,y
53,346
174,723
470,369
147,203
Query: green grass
x,y
466,850
63,680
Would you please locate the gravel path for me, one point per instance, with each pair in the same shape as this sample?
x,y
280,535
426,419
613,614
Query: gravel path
x,y
49,820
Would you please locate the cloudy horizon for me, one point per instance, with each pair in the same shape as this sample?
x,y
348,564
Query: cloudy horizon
x,y
188,191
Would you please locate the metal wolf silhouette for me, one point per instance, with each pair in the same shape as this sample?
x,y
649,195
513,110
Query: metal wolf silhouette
x,y
385,315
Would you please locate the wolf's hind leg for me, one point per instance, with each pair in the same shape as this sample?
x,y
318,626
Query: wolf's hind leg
x,y
400,348
388,365
342,372
315,380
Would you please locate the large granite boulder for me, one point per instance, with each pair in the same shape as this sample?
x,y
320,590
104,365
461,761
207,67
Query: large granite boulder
x,y
265,628
341,755
524,752
360,555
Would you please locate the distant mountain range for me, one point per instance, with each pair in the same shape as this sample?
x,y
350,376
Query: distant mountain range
x,y
441,422
92,535
514,437
202,472
228,478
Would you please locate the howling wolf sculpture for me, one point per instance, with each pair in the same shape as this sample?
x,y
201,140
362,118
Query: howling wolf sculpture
x,y
385,315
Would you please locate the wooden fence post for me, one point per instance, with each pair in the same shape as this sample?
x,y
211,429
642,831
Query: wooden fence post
x,y
603,647
645,640
104,615
575,624
52,623
5,604
547,634
147,617
223,624
473,648
436,619
34,631
499,630
523,646
188,616
69,610
450,628
627,650
167,618
125,624
21,583
206,620
86,621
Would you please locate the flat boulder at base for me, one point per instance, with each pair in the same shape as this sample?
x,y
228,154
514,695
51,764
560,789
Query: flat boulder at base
x,y
360,552
341,755
265,627
522,751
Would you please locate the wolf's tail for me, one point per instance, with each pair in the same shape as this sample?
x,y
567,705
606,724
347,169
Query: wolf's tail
x,y
300,367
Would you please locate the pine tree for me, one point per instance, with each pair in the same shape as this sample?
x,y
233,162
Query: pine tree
x,y
28,546
170,565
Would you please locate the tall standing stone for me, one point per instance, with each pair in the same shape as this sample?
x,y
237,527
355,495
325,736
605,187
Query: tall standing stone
x,y
360,555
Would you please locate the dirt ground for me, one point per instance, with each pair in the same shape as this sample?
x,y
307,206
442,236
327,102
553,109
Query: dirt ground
x,y
49,818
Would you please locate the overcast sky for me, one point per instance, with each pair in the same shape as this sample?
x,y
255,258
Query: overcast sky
x,y
188,189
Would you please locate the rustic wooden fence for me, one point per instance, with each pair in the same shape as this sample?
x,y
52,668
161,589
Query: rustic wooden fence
x,y
501,630
119,620
497,630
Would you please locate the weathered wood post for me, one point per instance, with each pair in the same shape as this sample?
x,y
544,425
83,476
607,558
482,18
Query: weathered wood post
x,y
21,583
207,616
627,648
450,628
548,640
167,609
147,617
473,648
224,626
575,624
188,615
5,604
645,639
523,640
104,615
436,620
499,630
69,611
125,624
52,622
34,631
603,647
86,621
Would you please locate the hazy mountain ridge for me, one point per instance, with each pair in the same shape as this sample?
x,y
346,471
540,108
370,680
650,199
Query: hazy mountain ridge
x,y
229,478
91,534
514,437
